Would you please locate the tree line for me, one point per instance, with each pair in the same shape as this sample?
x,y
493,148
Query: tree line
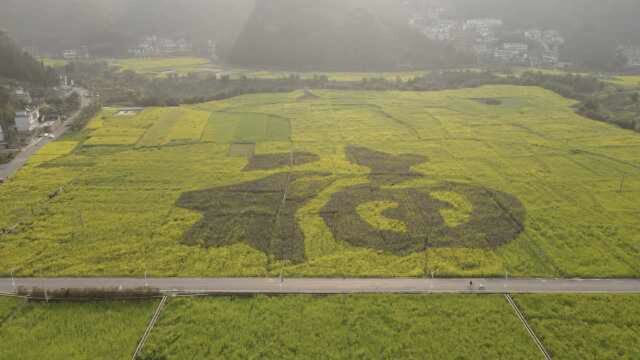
x,y
19,65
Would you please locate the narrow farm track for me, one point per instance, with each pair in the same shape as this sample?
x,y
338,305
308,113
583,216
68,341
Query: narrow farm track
x,y
229,286
527,327
147,331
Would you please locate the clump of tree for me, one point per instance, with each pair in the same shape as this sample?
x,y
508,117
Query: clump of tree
x,y
85,115
618,106
7,113
19,65
572,86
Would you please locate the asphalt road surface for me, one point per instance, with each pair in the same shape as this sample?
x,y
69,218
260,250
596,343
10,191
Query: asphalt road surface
x,y
9,169
332,286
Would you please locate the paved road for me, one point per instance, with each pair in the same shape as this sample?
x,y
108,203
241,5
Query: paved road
x,y
333,286
11,168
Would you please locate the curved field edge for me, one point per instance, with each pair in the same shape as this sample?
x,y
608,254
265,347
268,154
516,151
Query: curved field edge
x,y
102,202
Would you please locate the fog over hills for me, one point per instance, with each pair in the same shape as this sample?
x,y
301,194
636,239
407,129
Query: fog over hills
x,y
334,34
331,34
108,27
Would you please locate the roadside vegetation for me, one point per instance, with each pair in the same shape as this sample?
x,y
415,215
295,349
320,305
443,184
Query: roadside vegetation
x,y
116,197
7,306
340,327
585,326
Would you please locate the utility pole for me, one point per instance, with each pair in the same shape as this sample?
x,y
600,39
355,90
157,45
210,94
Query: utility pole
x,y
425,248
622,183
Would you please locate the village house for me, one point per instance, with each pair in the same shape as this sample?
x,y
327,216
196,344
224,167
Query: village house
x,y
27,121
76,54
512,53
632,54
550,41
442,30
483,27
22,96
212,50
70,54
155,46
2,139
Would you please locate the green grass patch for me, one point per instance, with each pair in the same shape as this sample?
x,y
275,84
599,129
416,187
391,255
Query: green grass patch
x,y
7,306
226,128
105,330
585,326
340,327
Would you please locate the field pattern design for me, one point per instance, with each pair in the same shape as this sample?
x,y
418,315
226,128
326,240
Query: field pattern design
x,y
264,211
343,184
497,218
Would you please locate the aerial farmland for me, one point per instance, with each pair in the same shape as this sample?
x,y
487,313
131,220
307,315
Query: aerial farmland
x,y
335,179
437,182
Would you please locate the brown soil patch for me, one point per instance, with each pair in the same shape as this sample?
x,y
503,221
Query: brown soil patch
x,y
274,161
242,150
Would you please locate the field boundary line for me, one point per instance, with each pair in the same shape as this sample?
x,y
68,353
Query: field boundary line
x,y
532,333
150,326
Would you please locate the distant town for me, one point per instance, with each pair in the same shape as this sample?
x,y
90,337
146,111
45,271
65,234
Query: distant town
x,y
147,47
493,43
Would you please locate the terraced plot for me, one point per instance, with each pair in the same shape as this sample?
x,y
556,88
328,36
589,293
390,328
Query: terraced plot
x,y
344,184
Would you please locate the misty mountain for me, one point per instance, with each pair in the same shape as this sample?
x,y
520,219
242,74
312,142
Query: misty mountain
x,y
334,35
108,27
